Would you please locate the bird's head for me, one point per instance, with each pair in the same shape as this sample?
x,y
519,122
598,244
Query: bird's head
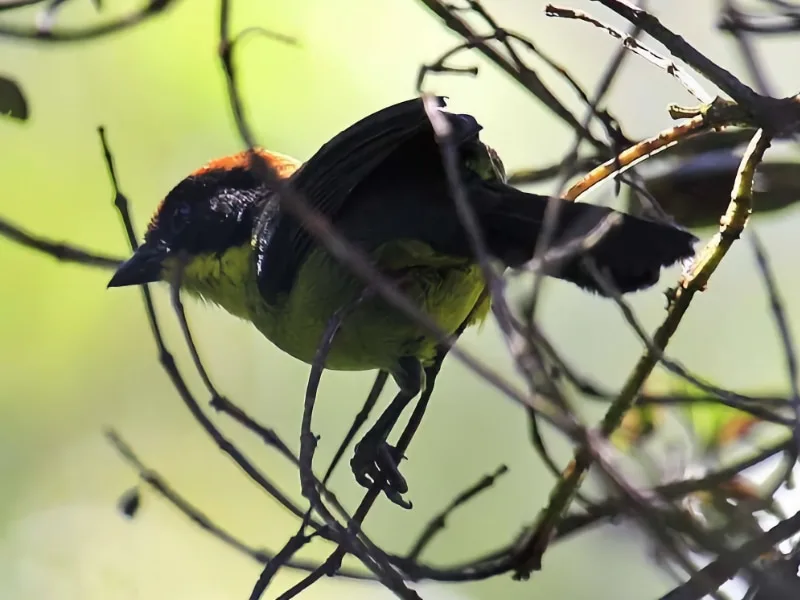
x,y
201,223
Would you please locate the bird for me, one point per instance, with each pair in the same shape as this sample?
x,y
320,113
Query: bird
x,y
382,184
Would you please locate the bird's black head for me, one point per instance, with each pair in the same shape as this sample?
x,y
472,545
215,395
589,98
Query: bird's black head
x,y
207,214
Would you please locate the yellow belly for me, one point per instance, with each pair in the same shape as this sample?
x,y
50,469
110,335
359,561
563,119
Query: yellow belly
x,y
374,335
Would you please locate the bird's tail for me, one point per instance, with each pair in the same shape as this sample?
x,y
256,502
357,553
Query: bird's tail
x,y
630,253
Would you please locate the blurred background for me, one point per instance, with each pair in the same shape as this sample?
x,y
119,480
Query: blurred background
x,y
75,357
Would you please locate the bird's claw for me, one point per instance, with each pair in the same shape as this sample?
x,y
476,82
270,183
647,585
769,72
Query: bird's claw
x,y
376,462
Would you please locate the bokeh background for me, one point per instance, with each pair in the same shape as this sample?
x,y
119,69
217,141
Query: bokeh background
x,y
75,357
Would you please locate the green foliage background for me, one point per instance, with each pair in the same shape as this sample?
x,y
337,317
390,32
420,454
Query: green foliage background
x,y
75,357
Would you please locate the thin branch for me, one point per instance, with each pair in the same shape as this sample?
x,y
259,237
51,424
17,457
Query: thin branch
x,y
218,401
358,422
160,486
635,46
151,9
637,153
522,353
726,566
567,168
569,165
524,76
680,48
782,323
334,560
60,251
8,5
439,522
721,396
505,558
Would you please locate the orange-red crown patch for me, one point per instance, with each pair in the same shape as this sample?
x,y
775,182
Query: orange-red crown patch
x,y
283,164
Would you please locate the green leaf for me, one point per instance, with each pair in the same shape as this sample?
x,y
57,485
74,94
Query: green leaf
x,y
12,100
713,425
638,425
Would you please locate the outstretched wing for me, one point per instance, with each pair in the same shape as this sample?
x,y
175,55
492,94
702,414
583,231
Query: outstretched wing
x,y
327,180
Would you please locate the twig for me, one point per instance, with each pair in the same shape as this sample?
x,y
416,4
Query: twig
x,y
553,208
439,522
635,154
443,132
267,435
781,321
282,558
150,10
727,565
521,352
333,562
504,559
761,24
351,539
725,397
662,523
524,76
177,306
635,46
680,48
8,5
539,445
218,401
733,16
566,168
159,485
556,256
439,65
359,420
60,251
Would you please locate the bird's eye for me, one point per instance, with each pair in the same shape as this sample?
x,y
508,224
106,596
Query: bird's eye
x,y
180,218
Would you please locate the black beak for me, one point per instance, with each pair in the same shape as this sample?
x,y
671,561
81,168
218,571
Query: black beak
x,y
143,267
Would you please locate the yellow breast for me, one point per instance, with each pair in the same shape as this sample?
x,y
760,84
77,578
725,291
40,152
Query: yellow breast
x,y
374,336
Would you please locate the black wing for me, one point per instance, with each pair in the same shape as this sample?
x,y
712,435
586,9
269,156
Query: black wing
x,y
329,177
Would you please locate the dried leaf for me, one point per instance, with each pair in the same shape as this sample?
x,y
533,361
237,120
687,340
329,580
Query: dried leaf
x,y
692,182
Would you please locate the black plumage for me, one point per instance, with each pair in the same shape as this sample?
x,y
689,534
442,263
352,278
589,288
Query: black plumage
x,y
382,179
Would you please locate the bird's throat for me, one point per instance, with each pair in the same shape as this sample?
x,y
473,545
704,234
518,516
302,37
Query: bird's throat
x,y
223,279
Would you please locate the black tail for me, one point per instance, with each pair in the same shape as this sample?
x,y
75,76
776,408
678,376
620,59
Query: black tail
x,y
631,253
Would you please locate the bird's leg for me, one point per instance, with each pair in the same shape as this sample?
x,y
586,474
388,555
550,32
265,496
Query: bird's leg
x,y
375,461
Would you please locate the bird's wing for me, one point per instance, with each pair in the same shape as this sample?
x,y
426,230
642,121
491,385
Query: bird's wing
x,y
329,177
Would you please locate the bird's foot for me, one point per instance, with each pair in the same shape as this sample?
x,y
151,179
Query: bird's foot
x,y
375,462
